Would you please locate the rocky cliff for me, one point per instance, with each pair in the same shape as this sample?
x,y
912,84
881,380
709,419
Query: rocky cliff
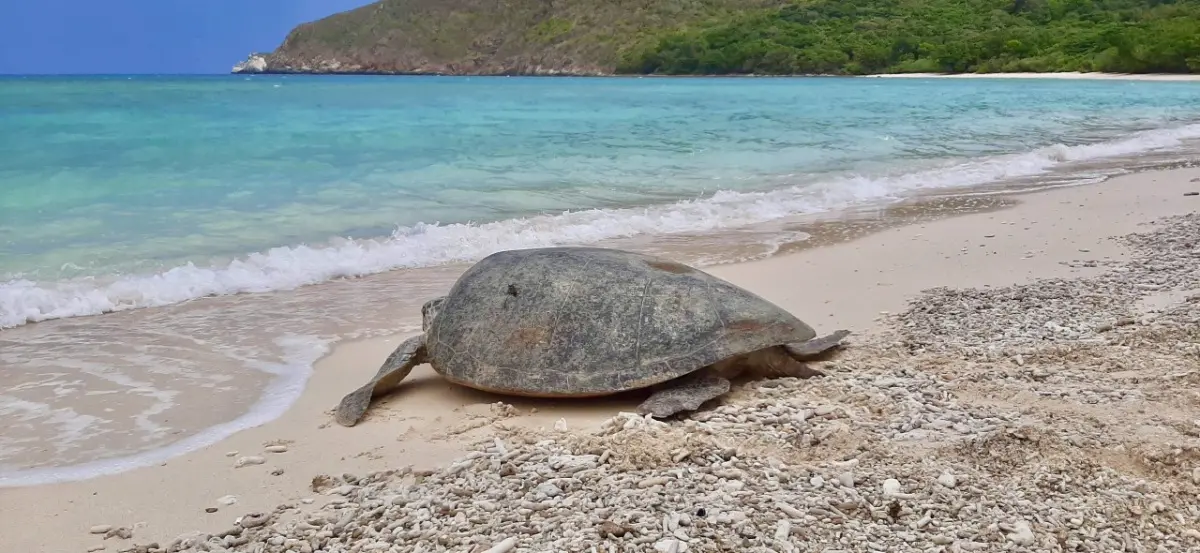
x,y
483,37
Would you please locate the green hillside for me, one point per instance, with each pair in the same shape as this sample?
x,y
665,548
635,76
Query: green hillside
x,y
749,36
490,36
883,36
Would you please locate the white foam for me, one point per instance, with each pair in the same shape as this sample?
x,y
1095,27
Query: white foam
x,y
291,375
288,267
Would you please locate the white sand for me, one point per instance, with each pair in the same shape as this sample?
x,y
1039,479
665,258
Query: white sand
x,y
844,285
1061,75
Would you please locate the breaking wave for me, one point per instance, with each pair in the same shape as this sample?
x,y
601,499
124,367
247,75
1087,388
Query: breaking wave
x,y
288,267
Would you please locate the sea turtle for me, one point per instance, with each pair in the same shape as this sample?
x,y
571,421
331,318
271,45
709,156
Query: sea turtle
x,y
587,322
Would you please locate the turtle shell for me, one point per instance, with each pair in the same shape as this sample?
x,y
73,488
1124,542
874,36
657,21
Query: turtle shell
x,y
580,322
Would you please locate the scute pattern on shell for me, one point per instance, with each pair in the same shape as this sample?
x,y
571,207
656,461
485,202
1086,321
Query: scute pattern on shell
x,y
578,321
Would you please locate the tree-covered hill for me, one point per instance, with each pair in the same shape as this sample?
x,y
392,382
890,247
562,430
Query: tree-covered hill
x,y
747,37
884,36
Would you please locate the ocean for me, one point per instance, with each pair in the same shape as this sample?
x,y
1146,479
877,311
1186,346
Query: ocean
x,y
194,244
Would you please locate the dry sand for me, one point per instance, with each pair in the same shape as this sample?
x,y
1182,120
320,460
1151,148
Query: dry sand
x,y
846,285
1060,75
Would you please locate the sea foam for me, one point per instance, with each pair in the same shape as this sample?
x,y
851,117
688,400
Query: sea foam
x,y
288,267
289,378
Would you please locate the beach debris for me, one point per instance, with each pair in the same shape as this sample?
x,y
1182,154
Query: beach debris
x,y
100,529
322,482
276,472
687,356
252,520
121,533
95,548
503,547
671,545
210,510
1192,193
227,500
950,444
248,460
276,449
1021,534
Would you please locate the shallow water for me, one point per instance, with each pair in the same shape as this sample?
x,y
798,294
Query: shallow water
x,y
148,196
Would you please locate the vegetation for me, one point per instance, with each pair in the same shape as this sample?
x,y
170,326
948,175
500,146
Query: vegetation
x,y
750,37
486,36
955,36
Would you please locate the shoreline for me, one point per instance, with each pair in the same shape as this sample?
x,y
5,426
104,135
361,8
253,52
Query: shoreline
x,y
1061,75
252,313
1068,75
852,283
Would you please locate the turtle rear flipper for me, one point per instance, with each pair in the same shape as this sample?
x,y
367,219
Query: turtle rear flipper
x,y
817,347
686,393
396,368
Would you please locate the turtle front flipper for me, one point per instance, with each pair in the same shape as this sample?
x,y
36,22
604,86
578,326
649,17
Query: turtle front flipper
x,y
686,393
817,347
396,368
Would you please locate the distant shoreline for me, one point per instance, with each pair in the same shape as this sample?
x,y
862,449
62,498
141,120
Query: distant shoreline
x,y
1177,77
1062,75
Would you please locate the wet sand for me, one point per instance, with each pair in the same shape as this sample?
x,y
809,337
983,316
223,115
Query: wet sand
x,y
843,283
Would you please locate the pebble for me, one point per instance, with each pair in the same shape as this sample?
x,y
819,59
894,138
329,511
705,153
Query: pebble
x,y
503,547
1191,193
670,545
276,449
1022,534
252,520
227,500
248,461
651,482
100,529
783,530
891,486
947,479
120,533
95,548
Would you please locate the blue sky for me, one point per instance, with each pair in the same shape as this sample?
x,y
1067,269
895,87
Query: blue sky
x,y
147,36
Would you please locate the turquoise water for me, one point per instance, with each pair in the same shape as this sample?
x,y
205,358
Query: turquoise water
x,y
138,195
135,176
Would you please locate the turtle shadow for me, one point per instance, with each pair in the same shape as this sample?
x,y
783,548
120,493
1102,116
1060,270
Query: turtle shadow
x,y
435,392
427,392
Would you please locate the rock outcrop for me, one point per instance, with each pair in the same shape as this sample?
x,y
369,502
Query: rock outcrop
x,y
255,63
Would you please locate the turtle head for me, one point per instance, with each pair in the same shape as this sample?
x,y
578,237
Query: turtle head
x,y
430,310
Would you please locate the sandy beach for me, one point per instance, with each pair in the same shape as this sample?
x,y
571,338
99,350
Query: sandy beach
x,y
1059,75
1029,390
